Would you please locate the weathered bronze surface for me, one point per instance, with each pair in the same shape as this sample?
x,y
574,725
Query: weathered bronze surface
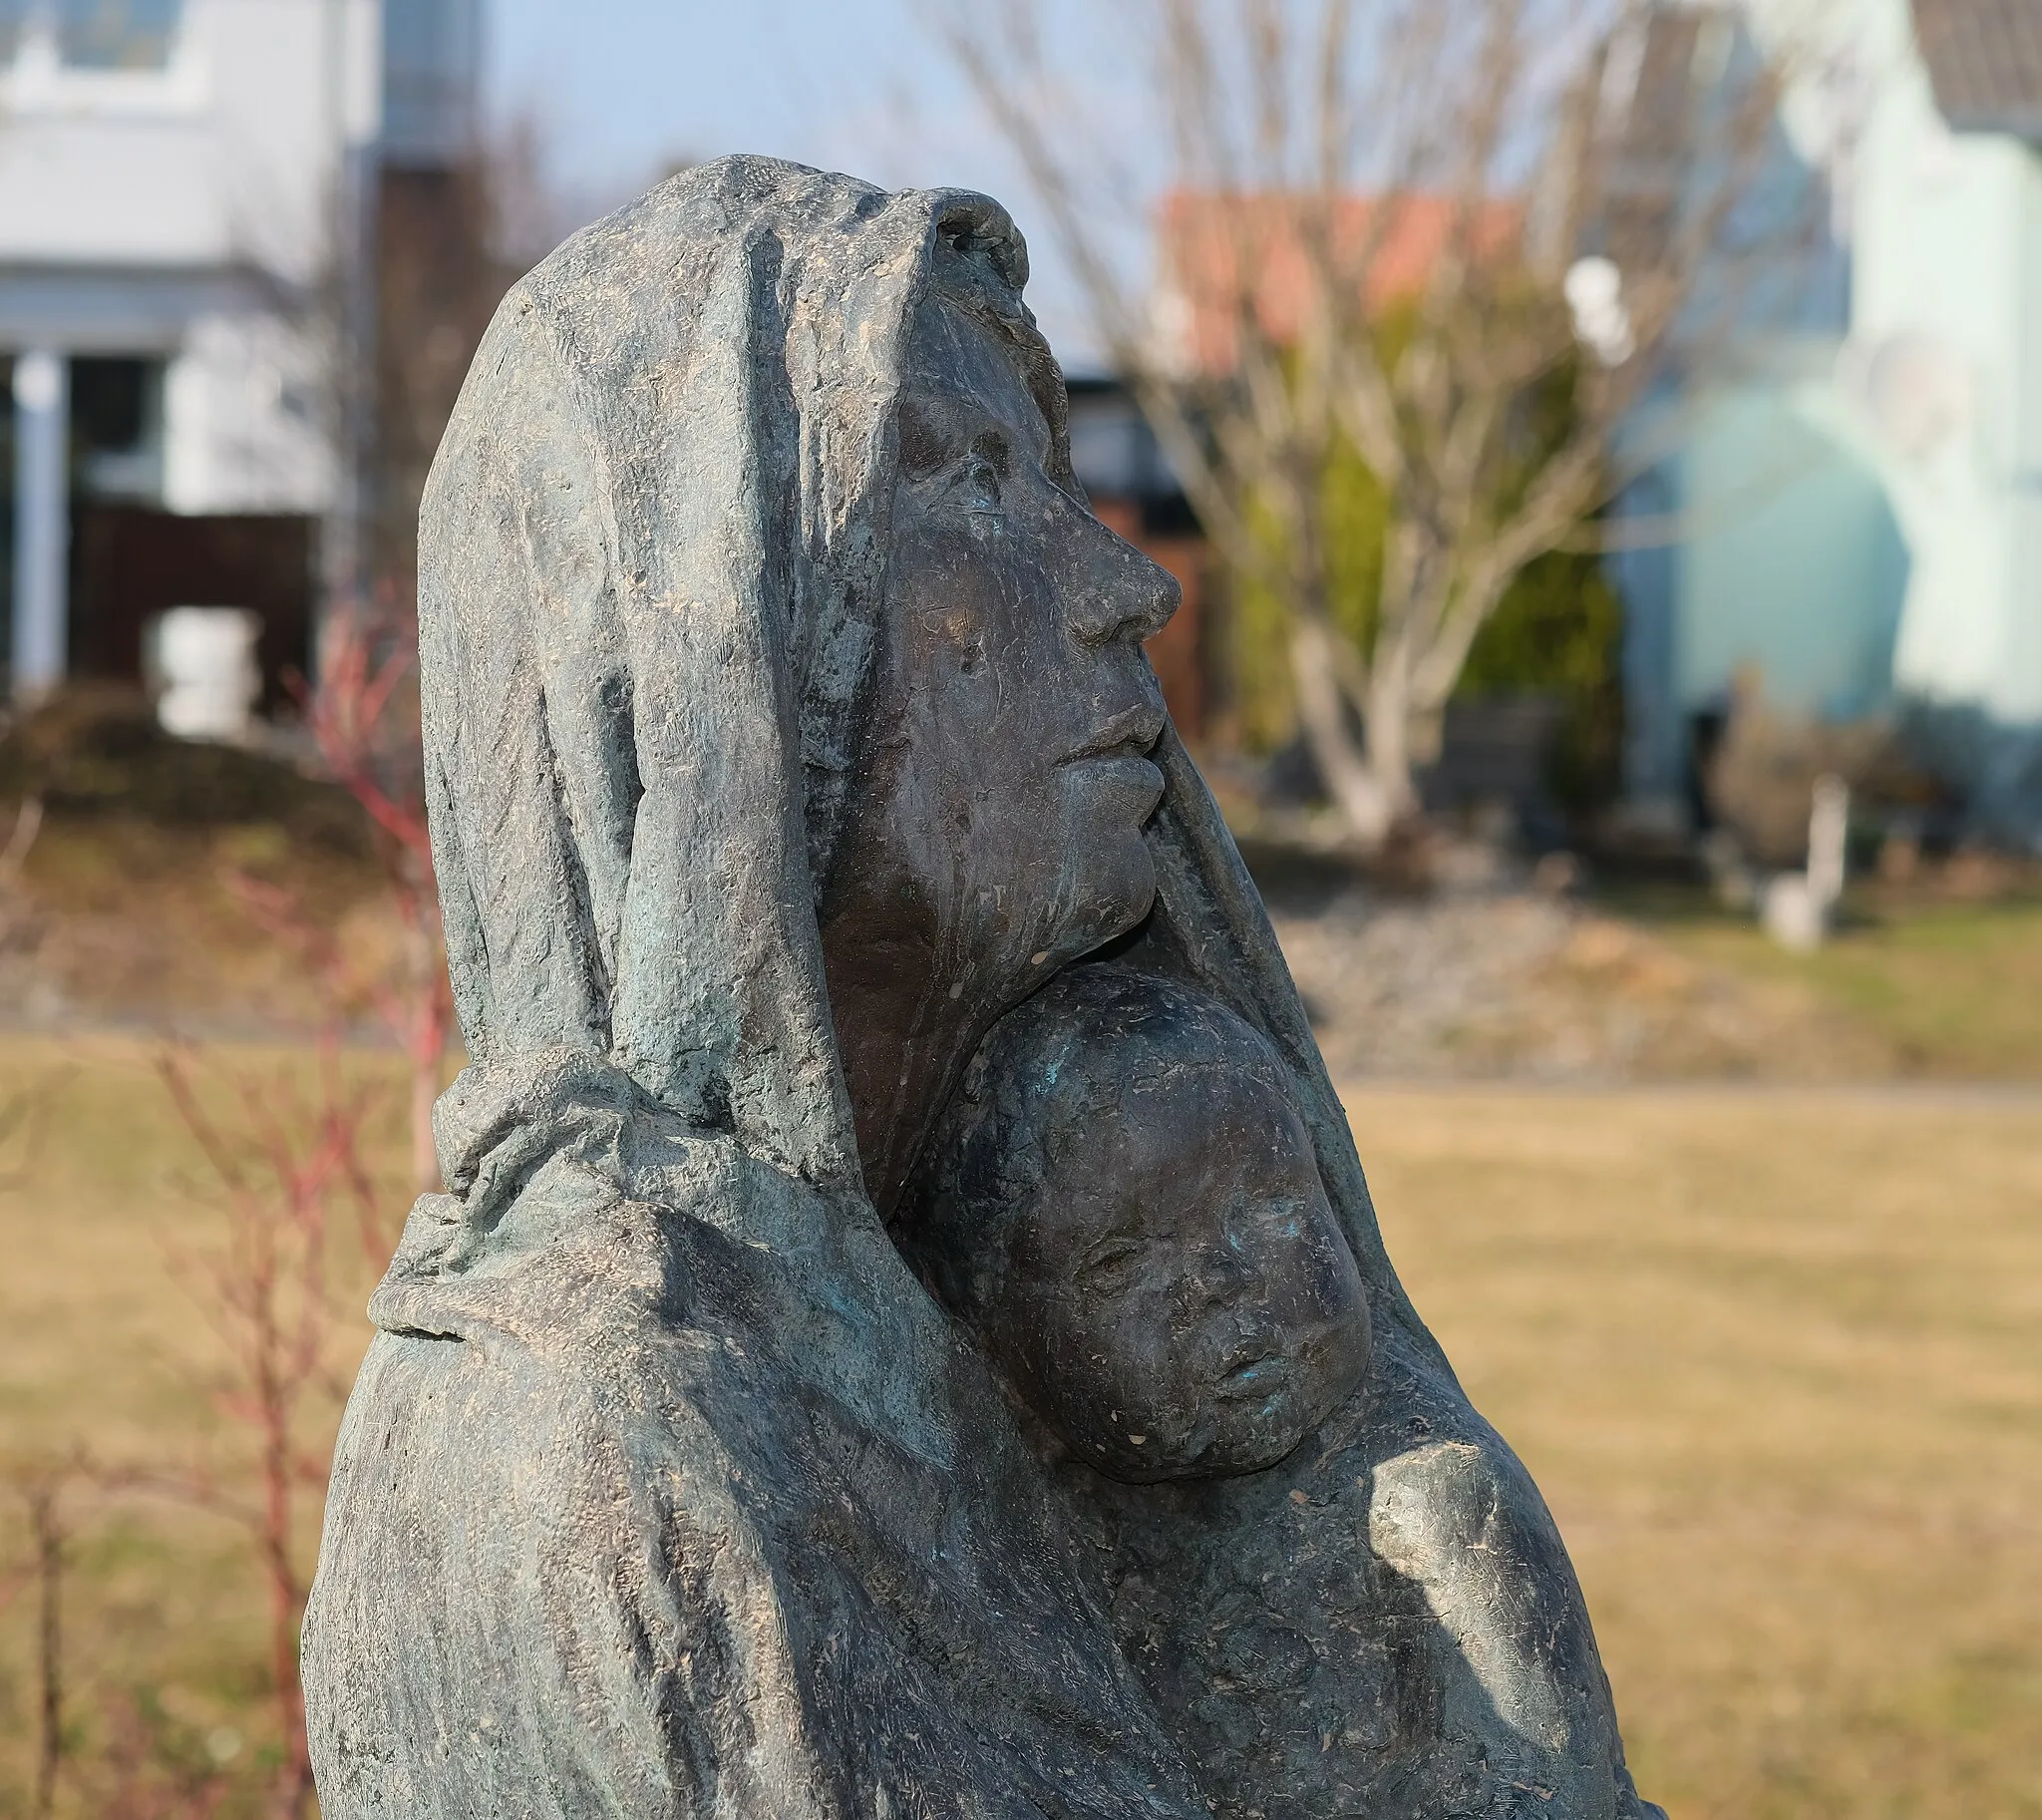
x,y
797,785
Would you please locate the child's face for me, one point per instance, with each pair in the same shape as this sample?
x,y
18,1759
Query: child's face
x,y
1180,1302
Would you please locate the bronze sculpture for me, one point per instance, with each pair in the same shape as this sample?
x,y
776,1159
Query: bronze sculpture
x,y
786,727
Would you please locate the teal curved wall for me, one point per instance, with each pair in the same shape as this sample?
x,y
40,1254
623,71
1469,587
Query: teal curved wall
x,y
1794,561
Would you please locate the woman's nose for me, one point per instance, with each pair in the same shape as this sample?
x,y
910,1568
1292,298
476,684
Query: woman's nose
x,y
1115,594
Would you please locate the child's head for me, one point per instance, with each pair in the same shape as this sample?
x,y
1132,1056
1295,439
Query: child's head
x,y
1125,1207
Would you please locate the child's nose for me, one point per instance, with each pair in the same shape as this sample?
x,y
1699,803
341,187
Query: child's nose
x,y
1223,1270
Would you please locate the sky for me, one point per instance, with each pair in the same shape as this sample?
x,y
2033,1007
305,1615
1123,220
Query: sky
x,y
624,86
621,90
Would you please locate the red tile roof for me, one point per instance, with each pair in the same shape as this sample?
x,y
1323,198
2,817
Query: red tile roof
x,y
1223,255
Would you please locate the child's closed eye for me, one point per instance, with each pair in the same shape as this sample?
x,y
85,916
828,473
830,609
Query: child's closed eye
x,y
1282,1215
1106,1269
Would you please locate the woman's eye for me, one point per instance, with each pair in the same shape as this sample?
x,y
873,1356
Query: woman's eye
x,y
980,484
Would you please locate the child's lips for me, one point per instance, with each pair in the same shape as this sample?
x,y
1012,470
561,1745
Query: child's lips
x,y
1256,1375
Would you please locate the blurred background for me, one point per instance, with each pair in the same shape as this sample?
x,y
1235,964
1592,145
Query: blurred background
x,y
1600,442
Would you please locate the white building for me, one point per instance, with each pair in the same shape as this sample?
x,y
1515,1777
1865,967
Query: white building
x,y
183,185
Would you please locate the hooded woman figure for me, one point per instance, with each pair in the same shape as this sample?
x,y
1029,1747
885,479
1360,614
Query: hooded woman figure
x,y
786,724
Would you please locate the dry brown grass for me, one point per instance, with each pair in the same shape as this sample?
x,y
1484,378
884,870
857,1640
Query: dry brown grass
x,y
1771,1356
139,926
108,1351
1935,989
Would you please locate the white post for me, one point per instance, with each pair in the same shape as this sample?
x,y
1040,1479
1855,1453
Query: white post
x,y
1799,906
42,521
1829,833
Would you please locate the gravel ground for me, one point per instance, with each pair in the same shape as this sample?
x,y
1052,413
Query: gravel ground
x,y
138,928
1521,985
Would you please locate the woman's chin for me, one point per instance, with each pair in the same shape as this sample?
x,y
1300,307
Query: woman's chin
x,y
1106,806
1119,889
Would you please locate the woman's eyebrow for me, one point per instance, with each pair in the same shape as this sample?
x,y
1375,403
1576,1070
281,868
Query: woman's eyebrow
x,y
927,433
939,424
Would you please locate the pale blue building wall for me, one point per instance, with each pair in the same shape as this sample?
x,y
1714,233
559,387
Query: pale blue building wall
x,y
1859,501
1794,564
1789,563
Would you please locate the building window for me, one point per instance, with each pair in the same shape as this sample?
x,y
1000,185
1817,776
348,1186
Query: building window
x,y
431,61
6,506
117,436
114,34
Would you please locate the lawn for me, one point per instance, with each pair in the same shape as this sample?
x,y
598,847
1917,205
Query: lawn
x,y
1771,1356
1927,990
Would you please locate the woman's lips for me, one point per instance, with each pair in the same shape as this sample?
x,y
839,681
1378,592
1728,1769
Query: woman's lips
x,y
1127,770
1130,734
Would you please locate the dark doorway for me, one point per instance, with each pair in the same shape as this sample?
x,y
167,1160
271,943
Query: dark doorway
x,y
131,562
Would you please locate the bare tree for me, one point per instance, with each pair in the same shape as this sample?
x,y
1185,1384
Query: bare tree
x,y
1454,242
280,1154
41,1492
449,241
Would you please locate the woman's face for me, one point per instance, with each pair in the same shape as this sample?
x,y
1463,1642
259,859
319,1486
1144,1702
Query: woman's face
x,y
997,829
